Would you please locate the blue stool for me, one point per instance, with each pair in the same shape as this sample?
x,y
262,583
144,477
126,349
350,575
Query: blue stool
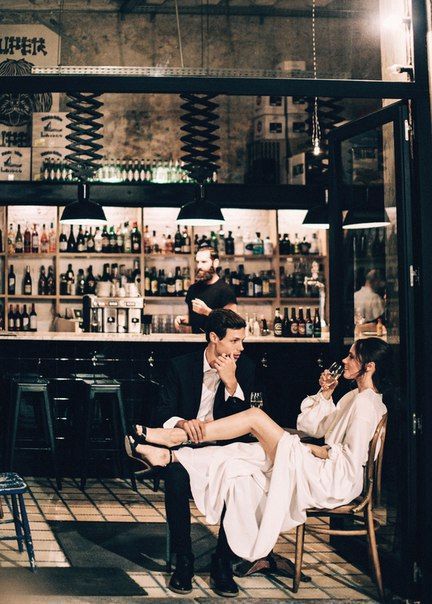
x,y
14,486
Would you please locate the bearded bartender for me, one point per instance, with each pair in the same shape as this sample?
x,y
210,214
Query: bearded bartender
x,y
207,293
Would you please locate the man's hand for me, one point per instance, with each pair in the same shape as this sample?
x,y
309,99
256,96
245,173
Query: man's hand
x,y
226,367
180,320
200,307
194,428
321,452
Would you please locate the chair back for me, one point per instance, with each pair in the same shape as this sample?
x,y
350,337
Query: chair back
x,y
374,462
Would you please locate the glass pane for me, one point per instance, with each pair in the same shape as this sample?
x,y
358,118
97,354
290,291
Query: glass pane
x,y
371,288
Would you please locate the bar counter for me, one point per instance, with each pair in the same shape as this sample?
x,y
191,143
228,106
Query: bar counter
x,y
155,337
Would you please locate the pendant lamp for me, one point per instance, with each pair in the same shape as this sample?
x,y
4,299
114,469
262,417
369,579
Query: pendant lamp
x,y
317,218
200,212
83,211
363,218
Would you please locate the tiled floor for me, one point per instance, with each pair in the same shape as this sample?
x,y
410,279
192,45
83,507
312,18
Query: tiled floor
x,y
113,500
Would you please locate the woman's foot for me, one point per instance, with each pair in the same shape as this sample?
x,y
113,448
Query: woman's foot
x,y
147,455
168,437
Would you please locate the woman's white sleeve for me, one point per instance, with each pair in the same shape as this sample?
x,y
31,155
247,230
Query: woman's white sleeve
x,y
316,416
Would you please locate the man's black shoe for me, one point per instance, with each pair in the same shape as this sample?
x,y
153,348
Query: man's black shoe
x,y
221,578
181,579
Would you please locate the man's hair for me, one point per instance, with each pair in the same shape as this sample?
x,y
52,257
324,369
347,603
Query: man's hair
x,y
221,319
207,248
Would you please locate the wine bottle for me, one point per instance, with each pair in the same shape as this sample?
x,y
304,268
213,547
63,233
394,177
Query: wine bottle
x,y
70,278
80,242
309,328
170,282
35,240
301,324
52,239
105,240
27,240
63,243
136,239
11,281
19,245
11,319
286,332
178,241
90,282
42,283
90,242
80,286
229,244
17,319
44,241
294,323
71,242
147,282
277,324
11,240
25,319
98,241
33,318
50,284
186,245
317,324
27,282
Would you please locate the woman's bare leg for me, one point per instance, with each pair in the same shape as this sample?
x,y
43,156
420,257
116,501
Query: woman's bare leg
x,y
252,420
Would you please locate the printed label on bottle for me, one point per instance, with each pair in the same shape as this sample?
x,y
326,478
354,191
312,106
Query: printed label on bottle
x,y
302,329
11,324
27,290
33,322
309,329
63,246
294,329
278,329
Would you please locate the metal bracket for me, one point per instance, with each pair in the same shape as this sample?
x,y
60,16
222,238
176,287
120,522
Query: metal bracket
x,y
414,276
416,424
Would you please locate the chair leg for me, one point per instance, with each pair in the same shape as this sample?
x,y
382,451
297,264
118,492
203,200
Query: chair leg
x,y
27,533
51,438
13,429
88,411
123,434
300,531
17,523
373,551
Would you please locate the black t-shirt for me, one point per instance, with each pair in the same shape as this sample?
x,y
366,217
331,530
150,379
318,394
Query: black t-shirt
x,y
217,295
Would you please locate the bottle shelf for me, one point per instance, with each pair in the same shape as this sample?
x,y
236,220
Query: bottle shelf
x,y
74,297
29,256
85,255
29,298
302,256
303,300
164,298
256,299
246,257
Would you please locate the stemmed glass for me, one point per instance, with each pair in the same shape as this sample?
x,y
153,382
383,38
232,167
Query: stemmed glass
x,y
256,400
336,370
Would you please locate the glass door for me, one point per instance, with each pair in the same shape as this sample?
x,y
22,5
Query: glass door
x,y
371,294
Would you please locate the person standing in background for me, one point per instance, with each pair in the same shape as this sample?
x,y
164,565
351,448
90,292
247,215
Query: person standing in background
x,y
207,293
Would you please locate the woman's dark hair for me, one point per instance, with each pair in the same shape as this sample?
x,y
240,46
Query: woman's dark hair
x,y
375,350
220,320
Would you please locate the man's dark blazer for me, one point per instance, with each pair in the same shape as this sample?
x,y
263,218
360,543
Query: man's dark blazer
x,y
181,392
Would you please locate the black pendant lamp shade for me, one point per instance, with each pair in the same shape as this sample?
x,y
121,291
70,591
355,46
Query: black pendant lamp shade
x,y
83,211
317,218
366,219
200,212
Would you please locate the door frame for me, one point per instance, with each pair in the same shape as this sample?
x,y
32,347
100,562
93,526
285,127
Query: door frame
x,y
397,114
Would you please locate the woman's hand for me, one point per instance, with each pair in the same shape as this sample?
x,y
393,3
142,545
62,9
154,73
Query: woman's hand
x,y
328,384
321,452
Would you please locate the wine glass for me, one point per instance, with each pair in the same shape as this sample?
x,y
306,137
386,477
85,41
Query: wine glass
x,y
336,370
256,400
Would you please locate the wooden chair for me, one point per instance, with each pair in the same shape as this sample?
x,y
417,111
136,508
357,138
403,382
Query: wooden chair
x,y
363,504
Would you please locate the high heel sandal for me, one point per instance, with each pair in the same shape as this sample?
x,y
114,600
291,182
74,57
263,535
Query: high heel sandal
x,y
139,438
131,450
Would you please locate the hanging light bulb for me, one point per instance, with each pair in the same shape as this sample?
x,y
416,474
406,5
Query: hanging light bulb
x,y
316,128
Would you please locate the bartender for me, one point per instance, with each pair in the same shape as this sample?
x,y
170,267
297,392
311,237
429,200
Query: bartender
x,y
207,293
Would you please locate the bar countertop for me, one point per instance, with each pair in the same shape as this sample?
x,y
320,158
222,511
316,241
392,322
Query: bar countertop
x,y
155,337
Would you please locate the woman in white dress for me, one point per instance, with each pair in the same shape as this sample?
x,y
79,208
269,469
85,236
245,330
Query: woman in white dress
x,y
268,486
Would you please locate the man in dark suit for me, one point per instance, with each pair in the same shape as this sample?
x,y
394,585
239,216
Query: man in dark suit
x,y
200,386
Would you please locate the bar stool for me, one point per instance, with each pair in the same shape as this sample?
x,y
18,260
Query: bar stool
x,y
38,387
97,390
13,486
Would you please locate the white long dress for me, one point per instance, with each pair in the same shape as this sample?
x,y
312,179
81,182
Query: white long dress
x,y
263,500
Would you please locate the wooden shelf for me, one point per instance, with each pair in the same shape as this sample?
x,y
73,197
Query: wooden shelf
x,y
257,299
30,298
72,255
30,256
164,298
247,257
301,300
163,256
301,256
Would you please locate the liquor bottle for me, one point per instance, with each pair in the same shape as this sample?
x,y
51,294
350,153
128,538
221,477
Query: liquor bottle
x,y
63,284
301,324
296,245
250,285
80,242
80,286
258,245
11,240
105,240
71,243
170,283
27,282
11,281
11,319
136,239
112,241
178,282
304,247
98,241
51,285
214,241
42,282
196,244
35,240
186,279
120,240
154,283
70,278
19,244
90,242
106,274
147,282
63,243
248,245
146,241
27,240
136,273
17,319
33,318
169,245
317,324
127,245
178,241
309,328
44,241
186,244
277,324
162,283
90,282
268,247
221,236
52,240
257,286
286,332
229,244
238,243
25,319
294,323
